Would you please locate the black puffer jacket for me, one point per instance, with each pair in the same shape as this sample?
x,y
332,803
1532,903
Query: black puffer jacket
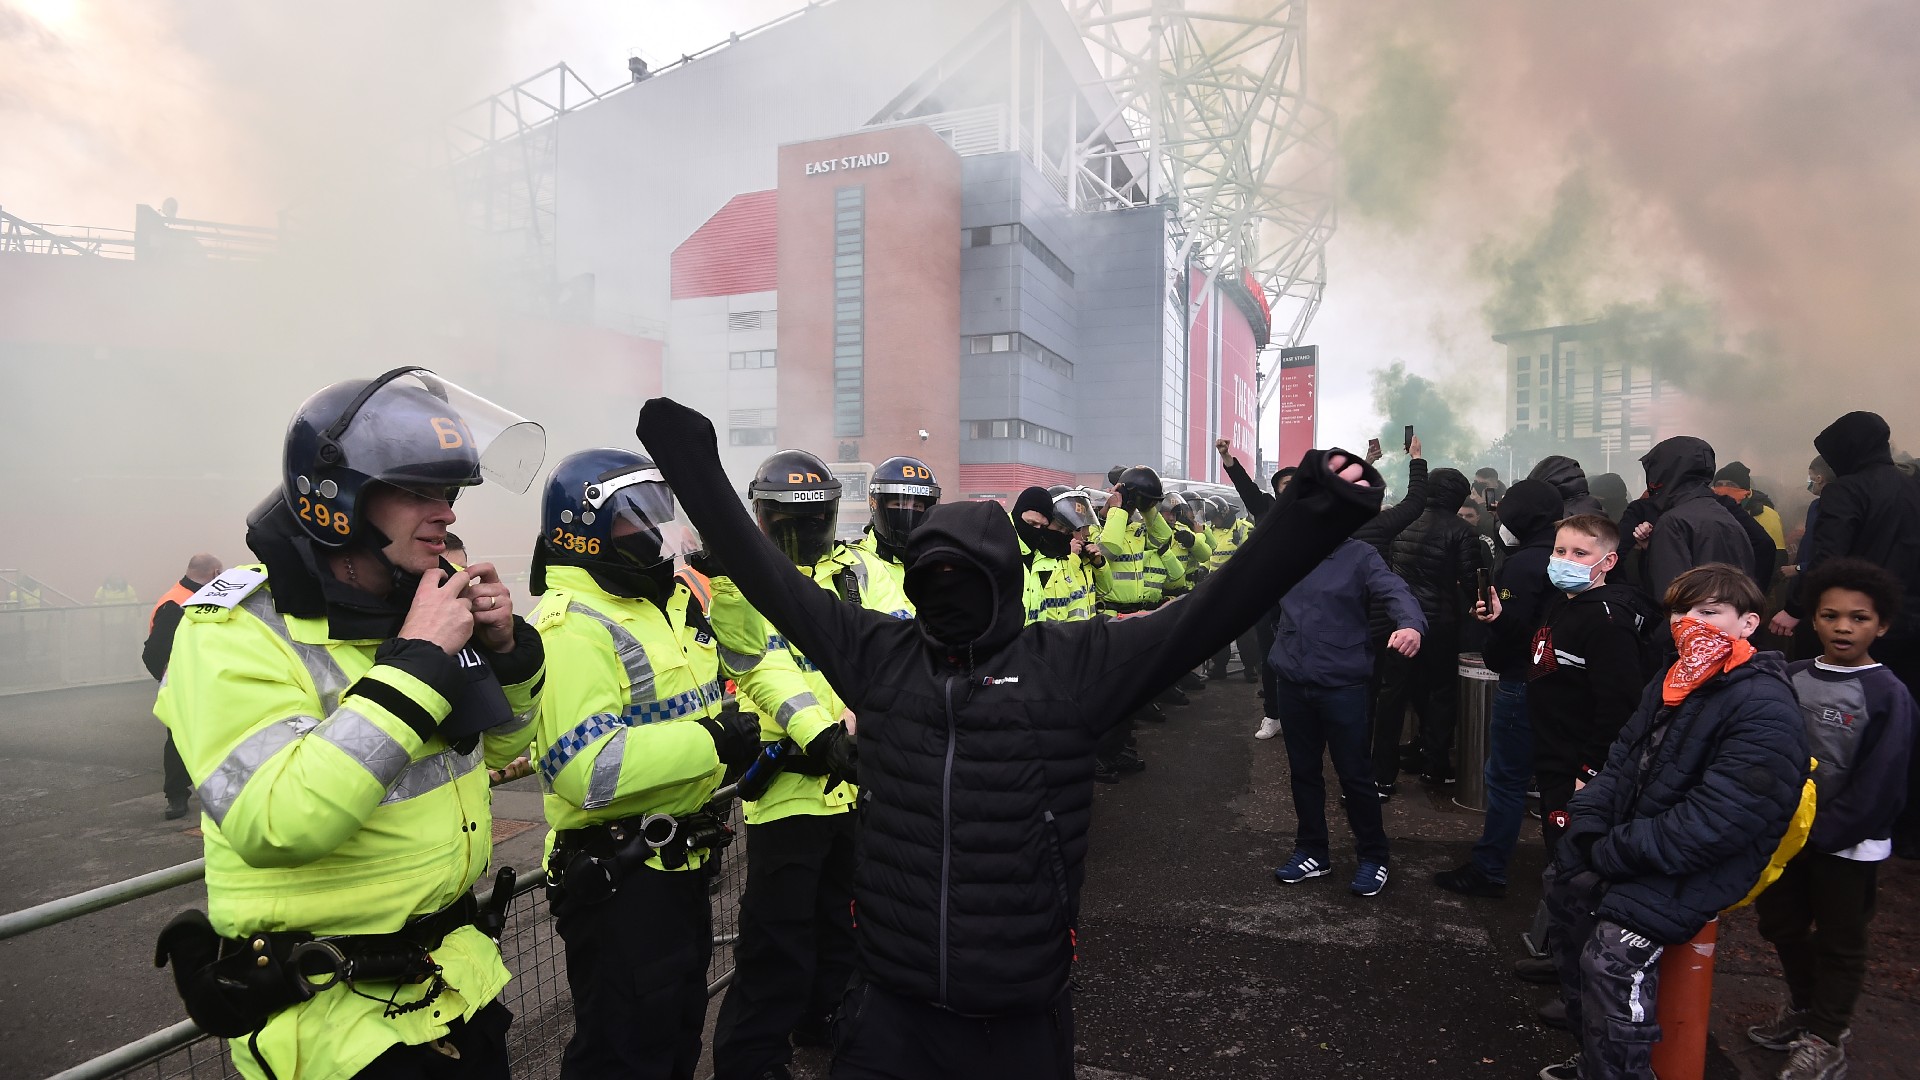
x,y
976,763
1690,527
1570,480
1692,802
1871,510
1439,553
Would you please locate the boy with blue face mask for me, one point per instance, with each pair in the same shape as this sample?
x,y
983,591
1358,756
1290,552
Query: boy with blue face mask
x,y
1586,669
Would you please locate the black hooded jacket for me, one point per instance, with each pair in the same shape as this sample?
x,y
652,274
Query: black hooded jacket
x,y
976,761
1870,510
1690,526
1530,512
1439,553
1570,480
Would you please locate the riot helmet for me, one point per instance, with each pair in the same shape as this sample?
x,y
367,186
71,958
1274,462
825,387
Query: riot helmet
x,y
901,492
1139,487
1072,510
1057,490
409,428
1220,513
610,512
796,500
1175,507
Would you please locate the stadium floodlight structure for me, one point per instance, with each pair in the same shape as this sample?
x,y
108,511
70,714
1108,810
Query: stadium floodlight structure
x,y
1214,93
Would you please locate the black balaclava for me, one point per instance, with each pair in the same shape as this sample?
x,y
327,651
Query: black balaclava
x,y
1039,538
955,606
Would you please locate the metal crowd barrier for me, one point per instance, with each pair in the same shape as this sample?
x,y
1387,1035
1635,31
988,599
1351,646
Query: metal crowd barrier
x,y
538,996
51,648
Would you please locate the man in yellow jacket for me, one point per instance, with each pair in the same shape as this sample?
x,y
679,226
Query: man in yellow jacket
x,y
334,703
631,740
1132,548
796,948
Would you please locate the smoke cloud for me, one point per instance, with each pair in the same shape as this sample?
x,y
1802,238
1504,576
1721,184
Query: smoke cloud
x,y
1749,166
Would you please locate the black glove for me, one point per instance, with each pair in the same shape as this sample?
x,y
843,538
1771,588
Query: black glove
x,y
838,751
736,736
707,563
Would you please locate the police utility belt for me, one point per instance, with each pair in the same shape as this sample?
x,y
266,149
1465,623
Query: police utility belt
x,y
589,863
232,986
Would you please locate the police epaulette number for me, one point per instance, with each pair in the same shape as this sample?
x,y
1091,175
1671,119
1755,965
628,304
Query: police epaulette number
x,y
226,591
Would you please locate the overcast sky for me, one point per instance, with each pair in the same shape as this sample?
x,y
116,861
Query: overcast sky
x,y
1503,159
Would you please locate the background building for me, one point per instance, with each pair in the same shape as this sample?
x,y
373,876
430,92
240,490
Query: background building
x,y
1599,391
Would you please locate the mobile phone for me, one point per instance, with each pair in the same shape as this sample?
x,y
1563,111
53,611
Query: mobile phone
x,y
1373,447
1483,580
1409,439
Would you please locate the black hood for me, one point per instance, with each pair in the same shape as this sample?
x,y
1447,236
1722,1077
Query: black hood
x,y
980,534
1677,465
1570,480
1612,492
1530,511
1447,490
1855,441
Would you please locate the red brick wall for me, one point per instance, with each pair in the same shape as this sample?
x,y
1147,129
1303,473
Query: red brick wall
x,y
912,361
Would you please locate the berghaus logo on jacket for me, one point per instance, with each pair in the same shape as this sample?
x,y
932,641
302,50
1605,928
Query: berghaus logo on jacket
x,y
999,680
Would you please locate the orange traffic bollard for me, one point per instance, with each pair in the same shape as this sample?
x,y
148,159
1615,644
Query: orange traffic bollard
x,y
1685,1006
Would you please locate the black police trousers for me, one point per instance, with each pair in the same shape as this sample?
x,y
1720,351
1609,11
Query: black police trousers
x,y
637,966
175,782
883,1036
794,956
473,1050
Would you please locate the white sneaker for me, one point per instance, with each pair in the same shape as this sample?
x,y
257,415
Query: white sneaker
x,y
1269,727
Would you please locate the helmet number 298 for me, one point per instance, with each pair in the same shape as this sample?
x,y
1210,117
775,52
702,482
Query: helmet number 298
x,y
324,516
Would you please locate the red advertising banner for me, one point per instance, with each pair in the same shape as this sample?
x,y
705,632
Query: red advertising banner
x,y
1299,408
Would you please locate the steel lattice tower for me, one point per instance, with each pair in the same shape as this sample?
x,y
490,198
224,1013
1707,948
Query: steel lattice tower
x,y
1215,94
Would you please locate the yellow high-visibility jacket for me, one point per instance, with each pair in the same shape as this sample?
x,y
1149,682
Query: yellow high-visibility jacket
x,y
325,810
616,733
784,689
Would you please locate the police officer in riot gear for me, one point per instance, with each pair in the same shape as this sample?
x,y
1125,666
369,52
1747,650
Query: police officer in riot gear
x,y
899,495
334,703
631,740
796,946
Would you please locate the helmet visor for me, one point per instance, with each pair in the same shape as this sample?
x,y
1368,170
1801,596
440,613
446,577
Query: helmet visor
x,y
646,524
804,532
897,515
425,433
1073,510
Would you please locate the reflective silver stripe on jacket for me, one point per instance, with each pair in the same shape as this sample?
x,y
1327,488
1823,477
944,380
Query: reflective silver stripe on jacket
x,y
329,682
363,741
432,772
737,663
604,784
633,655
793,705
223,785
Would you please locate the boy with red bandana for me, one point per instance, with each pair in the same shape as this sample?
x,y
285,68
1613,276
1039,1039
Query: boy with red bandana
x,y
1696,793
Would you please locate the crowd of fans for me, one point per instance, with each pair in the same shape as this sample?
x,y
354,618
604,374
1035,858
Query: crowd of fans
x,y
1670,671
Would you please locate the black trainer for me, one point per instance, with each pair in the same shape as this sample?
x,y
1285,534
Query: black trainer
x,y
1536,969
1470,880
1105,773
176,808
1553,1014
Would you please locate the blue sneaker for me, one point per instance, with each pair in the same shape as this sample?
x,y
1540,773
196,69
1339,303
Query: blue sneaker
x,y
1301,867
1369,879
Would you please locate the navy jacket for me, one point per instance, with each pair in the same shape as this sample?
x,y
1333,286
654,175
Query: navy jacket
x,y
1693,801
1322,638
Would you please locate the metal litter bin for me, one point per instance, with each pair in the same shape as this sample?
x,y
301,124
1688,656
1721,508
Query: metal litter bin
x,y
1476,723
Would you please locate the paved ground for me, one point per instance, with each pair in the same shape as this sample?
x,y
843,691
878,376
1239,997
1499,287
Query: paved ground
x,y
1194,962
